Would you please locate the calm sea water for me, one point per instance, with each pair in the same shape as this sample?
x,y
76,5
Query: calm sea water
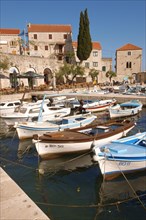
x,y
71,187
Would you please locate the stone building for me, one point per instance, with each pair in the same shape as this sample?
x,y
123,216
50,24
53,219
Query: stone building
x,y
10,41
140,77
95,61
128,61
49,45
49,41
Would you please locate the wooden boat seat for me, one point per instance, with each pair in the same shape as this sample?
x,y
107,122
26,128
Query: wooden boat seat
x,y
64,135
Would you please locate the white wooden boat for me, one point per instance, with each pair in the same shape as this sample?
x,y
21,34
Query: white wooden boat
x,y
28,129
8,106
65,142
123,155
125,109
92,105
31,113
101,105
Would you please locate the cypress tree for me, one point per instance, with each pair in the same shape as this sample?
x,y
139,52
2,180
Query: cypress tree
x,y
84,39
80,46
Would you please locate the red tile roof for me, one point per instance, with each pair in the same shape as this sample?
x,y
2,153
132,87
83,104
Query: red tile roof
x,y
49,28
95,45
9,31
129,47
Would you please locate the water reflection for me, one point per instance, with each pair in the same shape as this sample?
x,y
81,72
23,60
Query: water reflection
x,y
121,189
24,148
74,189
69,187
65,163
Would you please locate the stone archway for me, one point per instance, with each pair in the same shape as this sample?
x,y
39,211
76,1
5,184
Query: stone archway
x,y
32,82
48,76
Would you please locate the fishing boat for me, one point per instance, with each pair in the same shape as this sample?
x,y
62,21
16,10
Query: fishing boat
x,y
122,156
125,109
8,106
56,144
92,105
28,129
31,113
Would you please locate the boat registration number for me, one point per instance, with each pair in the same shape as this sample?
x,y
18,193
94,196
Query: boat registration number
x,y
56,145
124,163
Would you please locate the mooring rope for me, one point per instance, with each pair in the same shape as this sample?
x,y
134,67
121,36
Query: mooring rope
x,y
89,206
136,196
16,163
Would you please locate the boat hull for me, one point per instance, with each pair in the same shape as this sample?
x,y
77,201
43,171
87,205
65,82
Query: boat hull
x,y
112,168
122,156
27,130
10,120
48,150
128,111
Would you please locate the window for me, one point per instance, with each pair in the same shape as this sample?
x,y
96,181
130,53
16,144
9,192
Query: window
x,y
65,36
46,47
87,64
50,36
129,53
35,36
95,64
104,68
95,53
35,47
128,65
13,43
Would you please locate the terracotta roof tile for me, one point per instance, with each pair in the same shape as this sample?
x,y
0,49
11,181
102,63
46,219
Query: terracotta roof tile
x,y
49,28
95,45
9,31
129,47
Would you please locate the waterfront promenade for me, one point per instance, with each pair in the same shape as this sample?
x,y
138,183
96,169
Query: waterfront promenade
x,y
15,204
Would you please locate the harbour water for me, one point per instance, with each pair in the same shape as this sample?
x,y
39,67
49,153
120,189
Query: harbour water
x,y
71,187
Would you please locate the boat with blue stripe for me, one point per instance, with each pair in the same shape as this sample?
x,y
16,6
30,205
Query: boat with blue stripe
x,y
123,155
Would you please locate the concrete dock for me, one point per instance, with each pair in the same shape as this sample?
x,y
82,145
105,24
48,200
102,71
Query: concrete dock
x,y
15,204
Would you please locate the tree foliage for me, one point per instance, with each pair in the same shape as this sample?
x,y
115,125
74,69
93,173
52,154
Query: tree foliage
x,y
94,74
84,47
110,74
4,64
69,72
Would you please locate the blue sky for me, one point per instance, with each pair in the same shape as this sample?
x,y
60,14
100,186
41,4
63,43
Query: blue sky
x,y
112,23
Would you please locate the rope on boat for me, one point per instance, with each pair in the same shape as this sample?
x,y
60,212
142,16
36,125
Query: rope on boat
x,y
136,196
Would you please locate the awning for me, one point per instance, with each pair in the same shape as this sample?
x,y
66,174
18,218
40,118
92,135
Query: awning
x,y
30,74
